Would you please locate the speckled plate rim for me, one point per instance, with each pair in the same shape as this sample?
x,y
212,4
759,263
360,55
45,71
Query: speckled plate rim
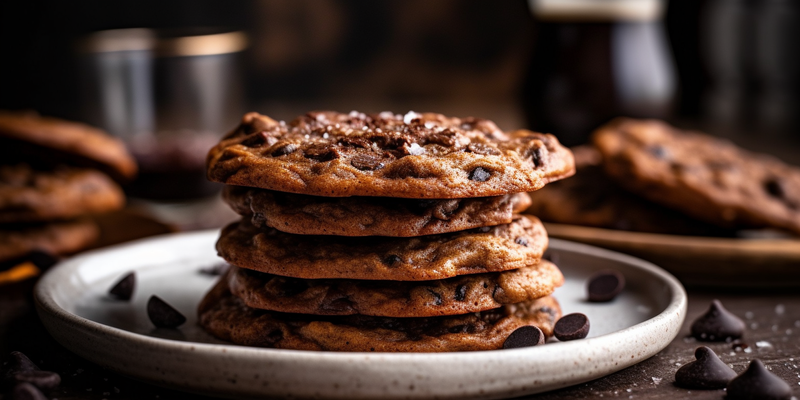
x,y
236,371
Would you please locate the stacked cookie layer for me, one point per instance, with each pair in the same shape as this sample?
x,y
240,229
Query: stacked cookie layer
x,y
53,174
382,233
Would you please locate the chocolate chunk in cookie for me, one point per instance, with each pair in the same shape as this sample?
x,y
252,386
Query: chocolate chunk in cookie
x,y
487,249
370,216
412,156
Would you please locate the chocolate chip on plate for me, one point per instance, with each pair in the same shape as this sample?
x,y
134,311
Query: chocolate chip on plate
x,y
717,324
756,382
123,289
162,315
44,380
605,286
26,391
19,362
571,327
707,372
524,336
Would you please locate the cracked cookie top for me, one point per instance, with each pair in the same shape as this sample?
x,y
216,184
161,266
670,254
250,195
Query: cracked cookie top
x,y
410,156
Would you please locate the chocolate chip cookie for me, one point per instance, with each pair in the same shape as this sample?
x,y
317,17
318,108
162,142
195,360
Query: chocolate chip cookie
x,y
28,195
386,155
57,238
488,249
459,295
590,198
30,138
708,178
228,318
370,216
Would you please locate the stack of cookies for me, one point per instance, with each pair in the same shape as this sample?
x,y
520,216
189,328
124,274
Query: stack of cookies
x,y
382,233
53,174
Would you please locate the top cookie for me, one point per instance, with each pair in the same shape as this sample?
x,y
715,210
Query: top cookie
x,y
708,178
411,156
24,136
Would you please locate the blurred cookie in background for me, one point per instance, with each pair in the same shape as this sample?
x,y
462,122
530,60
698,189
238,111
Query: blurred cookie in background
x,y
590,198
707,178
55,176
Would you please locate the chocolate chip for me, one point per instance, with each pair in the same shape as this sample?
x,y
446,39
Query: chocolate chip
x,y
25,391
123,289
320,152
605,286
285,150
717,324
461,293
775,188
571,327
44,380
289,287
259,139
484,229
537,155
162,315
659,151
19,362
521,241
525,336
392,259
338,303
437,298
367,162
756,382
479,175
216,269
707,372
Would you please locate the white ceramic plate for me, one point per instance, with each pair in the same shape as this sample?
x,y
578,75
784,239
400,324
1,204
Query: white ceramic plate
x,y
72,302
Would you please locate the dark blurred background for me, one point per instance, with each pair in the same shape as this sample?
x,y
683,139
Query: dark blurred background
x,y
735,62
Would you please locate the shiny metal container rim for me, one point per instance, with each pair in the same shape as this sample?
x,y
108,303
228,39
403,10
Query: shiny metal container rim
x,y
165,43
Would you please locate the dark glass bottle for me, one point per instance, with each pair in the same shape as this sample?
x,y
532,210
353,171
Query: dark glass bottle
x,y
596,60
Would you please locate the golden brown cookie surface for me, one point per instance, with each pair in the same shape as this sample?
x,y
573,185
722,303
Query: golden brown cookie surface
x,y
459,295
708,178
386,155
370,216
27,195
518,244
228,318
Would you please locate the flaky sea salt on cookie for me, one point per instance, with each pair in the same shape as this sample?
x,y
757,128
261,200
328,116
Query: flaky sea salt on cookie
x,y
411,156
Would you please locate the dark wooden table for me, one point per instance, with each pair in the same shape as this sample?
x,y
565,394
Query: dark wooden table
x,y
773,336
